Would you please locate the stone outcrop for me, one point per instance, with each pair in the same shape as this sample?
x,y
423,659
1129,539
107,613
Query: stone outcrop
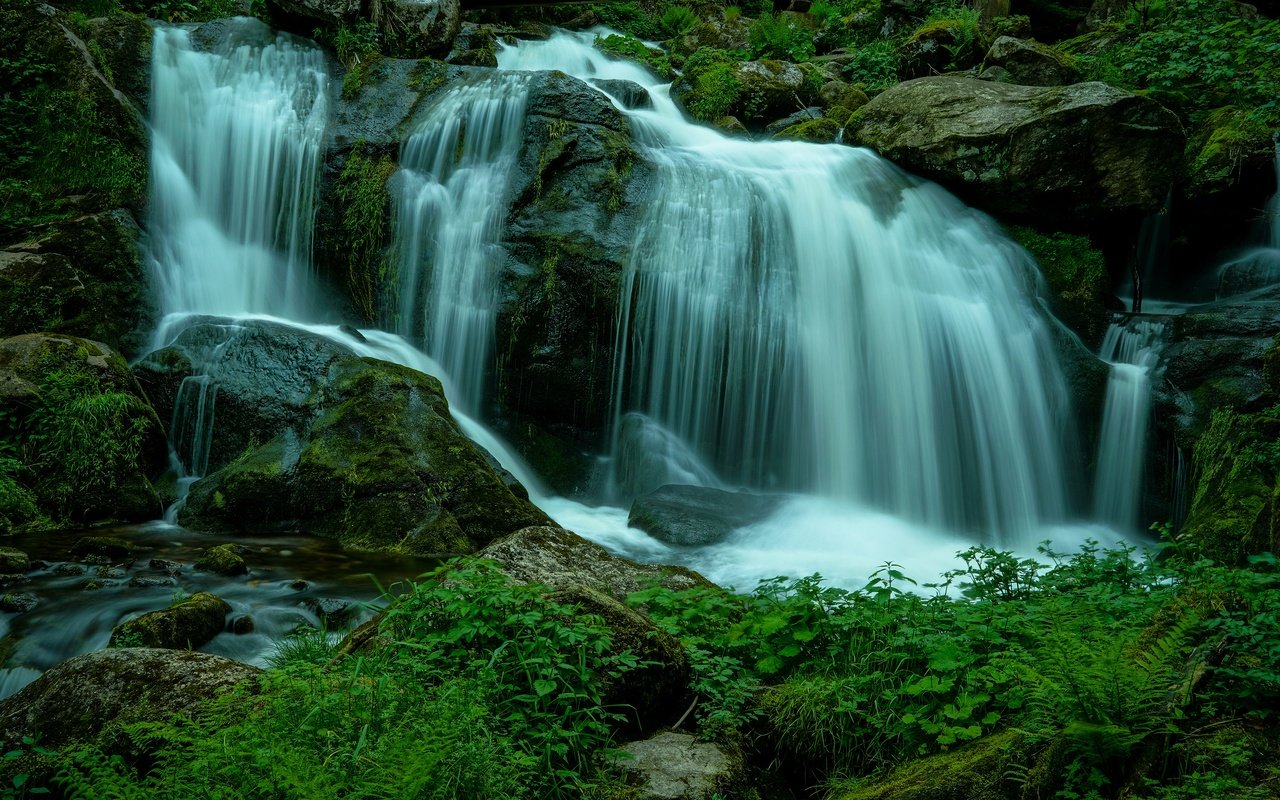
x,y
1066,154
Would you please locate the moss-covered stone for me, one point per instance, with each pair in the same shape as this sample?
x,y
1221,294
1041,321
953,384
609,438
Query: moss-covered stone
x,y
184,626
1030,63
1235,508
1077,275
105,546
756,92
1224,144
90,440
821,131
13,561
976,771
224,560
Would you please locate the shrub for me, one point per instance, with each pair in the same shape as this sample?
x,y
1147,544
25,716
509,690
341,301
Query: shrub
x,y
776,36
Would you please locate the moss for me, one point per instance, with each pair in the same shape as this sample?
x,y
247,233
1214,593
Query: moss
x,y
107,546
814,130
184,626
1235,509
365,213
974,772
1222,144
13,562
429,76
223,559
1076,273
632,49
715,91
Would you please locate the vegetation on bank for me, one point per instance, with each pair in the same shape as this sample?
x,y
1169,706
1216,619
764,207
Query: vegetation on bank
x,y
1093,674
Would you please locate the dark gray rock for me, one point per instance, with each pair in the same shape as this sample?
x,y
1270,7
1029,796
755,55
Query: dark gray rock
x,y
17,602
417,28
1030,63
631,94
693,516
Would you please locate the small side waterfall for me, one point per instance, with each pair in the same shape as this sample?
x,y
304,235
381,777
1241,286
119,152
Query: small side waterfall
x,y
450,201
236,138
1258,267
1133,350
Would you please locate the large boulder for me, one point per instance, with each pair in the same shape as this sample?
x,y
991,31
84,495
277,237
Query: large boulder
x,y
755,92
574,209
1067,154
693,516
89,440
82,276
303,433
183,626
79,699
561,559
417,28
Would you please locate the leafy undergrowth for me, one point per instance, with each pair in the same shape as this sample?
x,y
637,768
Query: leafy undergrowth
x,y
1102,675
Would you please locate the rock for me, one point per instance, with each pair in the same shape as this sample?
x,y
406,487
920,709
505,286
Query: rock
x,y
90,438
632,95
80,276
330,12
242,624
12,580
679,766
334,613
693,516
819,131
655,693
568,239
717,34
17,602
13,561
185,626
150,582
839,94
68,569
1030,63
560,559
756,92
940,45
976,770
732,126
310,436
164,564
106,546
417,28
111,573
804,115
77,700
225,559
1070,153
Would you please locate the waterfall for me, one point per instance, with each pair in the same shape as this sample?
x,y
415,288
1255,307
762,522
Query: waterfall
x,y
450,200
1258,267
810,318
1133,350
235,154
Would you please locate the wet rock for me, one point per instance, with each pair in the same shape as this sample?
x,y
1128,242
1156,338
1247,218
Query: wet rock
x,y
17,602
632,95
417,28
692,516
559,558
77,700
13,560
150,582
242,624
334,613
332,12
801,116
82,277
1070,153
756,92
1030,63
185,626
679,766
106,546
68,569
110,573
312,437
62,384
299,586
225,559
92,585
164,564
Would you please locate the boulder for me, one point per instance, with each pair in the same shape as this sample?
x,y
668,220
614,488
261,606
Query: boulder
x,y
717,34
13,561
329,12
680,766
838,94
417,28
307,435
1066,154
184,626
77,700
103,546
940,45
756,92
82,277
90,438
1030,63
630,94
561,559
224,559
17,602
693,516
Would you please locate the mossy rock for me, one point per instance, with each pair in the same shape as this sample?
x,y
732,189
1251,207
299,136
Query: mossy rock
x,y
976,771
350,448
13,561
224,560
185,626
1235,508
756,92
105,546
91,441
1076,273
1223,145
1030,63
820,131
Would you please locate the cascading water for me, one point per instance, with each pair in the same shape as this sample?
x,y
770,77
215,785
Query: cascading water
x,y
449,209
811,318
1258,267
236,140
1133,350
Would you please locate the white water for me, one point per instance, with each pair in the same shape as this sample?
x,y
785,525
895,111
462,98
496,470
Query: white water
x,y
810,318
449,208
235,153
1258,267
1133,350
